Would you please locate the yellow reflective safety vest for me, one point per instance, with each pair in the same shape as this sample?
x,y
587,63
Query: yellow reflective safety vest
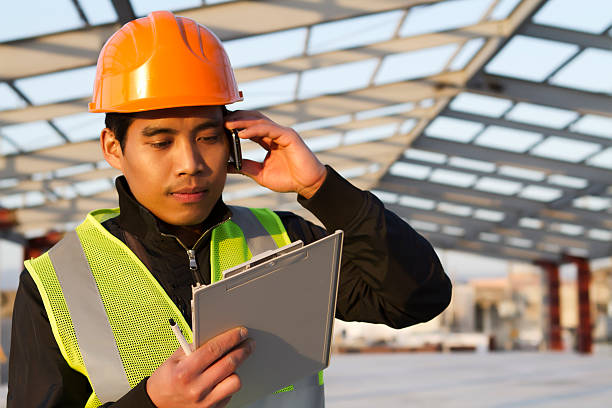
x,y
109,315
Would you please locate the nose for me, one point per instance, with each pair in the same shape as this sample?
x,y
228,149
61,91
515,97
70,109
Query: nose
x,y
188,159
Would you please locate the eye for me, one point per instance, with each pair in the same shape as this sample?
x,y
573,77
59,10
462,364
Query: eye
x,y
209,139
159,145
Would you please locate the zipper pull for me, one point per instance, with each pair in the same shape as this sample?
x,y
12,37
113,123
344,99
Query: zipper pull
x,y
193,265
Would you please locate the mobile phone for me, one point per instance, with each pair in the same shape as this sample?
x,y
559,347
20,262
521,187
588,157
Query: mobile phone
x,y
235,151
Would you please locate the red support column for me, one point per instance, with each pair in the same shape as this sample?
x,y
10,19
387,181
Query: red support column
x,y
584,334
551,271
37,246
8,219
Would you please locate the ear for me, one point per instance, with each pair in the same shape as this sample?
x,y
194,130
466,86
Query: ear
x,y
111,148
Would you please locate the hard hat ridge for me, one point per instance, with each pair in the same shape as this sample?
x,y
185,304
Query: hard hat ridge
x,y
162,61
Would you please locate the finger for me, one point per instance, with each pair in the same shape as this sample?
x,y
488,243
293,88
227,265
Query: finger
x,y
252,169
212,350
222,393
223,403
248,115
224,367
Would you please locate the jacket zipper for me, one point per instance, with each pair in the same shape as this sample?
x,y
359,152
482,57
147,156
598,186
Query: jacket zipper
x,y
191,253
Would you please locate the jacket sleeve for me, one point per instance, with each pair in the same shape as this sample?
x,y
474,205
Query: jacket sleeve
x,y
39,376
390,274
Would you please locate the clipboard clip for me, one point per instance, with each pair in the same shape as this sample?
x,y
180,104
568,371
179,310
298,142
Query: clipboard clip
x,y
262,258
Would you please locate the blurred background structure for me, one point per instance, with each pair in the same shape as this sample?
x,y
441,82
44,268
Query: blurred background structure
x,y
486,124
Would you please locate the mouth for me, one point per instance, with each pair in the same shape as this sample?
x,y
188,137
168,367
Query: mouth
x,y
189,195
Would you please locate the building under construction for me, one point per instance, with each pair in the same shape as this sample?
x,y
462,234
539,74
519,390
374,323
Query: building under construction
x,y
485,124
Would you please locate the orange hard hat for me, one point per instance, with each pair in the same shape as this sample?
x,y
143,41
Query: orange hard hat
x,y
162,61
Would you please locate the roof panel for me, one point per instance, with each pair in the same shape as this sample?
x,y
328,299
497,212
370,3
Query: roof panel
x,y
455,209
246,52
521,173
467,52
6,147
58,86
426,156
453,178
9,98
29,18
600,235
602,159
533,59
144,7
567,181
539,193
457,130
353,32
489,215
414,64
591,16
498,186
531,223
592,203
370,134
443,16
336,78
540,115
480,104
32,135
594,125
503,9
588,71
472,164
98,11
81,126
503,138
385,111
322,123
417,202
267,92
561,148
410,170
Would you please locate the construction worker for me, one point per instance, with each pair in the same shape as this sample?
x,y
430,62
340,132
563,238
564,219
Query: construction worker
x,y
90,324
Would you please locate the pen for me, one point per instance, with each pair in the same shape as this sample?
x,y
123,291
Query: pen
x,y
179,336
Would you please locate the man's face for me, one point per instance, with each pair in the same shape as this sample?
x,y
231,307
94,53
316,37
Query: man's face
x,y
175,162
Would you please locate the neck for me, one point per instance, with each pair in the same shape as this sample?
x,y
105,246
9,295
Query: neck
x,y
187,234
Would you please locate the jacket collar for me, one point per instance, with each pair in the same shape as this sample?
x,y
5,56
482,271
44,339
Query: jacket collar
x,y
139,221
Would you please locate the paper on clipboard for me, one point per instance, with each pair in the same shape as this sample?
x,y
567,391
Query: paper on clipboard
x,y
287,300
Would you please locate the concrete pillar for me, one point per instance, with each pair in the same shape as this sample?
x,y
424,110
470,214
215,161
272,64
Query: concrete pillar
x,y
553,304
584,333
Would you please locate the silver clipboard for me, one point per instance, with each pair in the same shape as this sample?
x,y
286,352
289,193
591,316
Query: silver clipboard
x,y
287,300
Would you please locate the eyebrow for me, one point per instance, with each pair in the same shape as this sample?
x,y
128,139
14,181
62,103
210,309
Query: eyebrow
x,y
150,131
209,124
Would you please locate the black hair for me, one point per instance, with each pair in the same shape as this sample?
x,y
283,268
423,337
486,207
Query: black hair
x,y
119,123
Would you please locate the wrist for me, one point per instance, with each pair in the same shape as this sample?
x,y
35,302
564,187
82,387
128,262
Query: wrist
x,y
309,191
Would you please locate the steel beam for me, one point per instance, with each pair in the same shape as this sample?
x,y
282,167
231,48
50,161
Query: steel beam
x,y
543,94
515,207
488,121
501,157
474,226
583,40
444,241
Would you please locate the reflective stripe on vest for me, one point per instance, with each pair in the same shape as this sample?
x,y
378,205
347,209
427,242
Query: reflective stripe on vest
x,y
71,278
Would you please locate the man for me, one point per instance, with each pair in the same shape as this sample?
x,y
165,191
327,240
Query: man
x,y
103,295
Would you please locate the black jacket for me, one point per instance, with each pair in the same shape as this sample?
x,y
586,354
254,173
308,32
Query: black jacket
x,y
390,274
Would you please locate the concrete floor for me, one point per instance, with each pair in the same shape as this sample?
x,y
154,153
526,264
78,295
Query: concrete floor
x,y
500,380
